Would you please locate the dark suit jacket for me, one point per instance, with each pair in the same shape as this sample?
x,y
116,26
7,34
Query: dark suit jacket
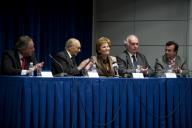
x,y
126,67
65,64
161,65
10,64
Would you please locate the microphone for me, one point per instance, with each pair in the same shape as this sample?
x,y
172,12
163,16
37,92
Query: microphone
x,y
115,67
59,64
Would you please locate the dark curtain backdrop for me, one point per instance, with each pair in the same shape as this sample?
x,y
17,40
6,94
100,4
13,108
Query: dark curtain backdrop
x,y
49,23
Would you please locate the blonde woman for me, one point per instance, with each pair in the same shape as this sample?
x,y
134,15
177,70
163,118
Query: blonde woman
x,y
103,61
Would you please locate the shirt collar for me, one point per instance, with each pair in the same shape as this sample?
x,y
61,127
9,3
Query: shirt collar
x,y
20,55
172,60
69,54
131,54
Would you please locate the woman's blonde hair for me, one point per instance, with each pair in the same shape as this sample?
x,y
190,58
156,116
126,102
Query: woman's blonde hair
x,y
101,41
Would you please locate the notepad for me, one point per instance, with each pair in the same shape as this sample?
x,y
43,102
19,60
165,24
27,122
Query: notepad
x,y
46,74
170,75
92,74
137,75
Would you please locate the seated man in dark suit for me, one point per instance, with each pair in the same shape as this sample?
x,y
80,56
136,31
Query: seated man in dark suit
x,y
171,62
16,61
65,60
131,61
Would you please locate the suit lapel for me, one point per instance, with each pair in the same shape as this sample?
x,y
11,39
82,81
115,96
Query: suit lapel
x,y
17,60
68,58
177,61
139,60
129,62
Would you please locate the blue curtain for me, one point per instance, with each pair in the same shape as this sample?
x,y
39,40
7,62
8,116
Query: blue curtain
x,y
50,24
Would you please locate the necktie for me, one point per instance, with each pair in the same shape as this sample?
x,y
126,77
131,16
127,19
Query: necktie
x,y
24,63
134,61
73,60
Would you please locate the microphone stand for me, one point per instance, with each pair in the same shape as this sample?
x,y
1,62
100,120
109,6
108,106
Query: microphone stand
x,y
59,64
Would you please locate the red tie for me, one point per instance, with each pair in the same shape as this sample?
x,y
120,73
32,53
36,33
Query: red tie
x,y
24,63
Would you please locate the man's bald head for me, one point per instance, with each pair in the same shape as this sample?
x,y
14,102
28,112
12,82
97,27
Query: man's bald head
x,y
73,46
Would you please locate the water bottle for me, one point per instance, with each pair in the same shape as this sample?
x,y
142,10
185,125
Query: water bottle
x,y
31,68
138,69
39,70
94,69
169,69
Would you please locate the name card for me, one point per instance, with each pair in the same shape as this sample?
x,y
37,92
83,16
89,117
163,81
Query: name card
x,y
137,75
92,74
46,74
170,75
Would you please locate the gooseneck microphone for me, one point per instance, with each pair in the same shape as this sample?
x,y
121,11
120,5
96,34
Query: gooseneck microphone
x,y
115,67
59,64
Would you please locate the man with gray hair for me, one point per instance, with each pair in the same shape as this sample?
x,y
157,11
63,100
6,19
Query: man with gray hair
x,y
16,61
131,60
64,61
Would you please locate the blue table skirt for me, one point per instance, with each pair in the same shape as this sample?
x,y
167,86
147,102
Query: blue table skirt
x,y
76,102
